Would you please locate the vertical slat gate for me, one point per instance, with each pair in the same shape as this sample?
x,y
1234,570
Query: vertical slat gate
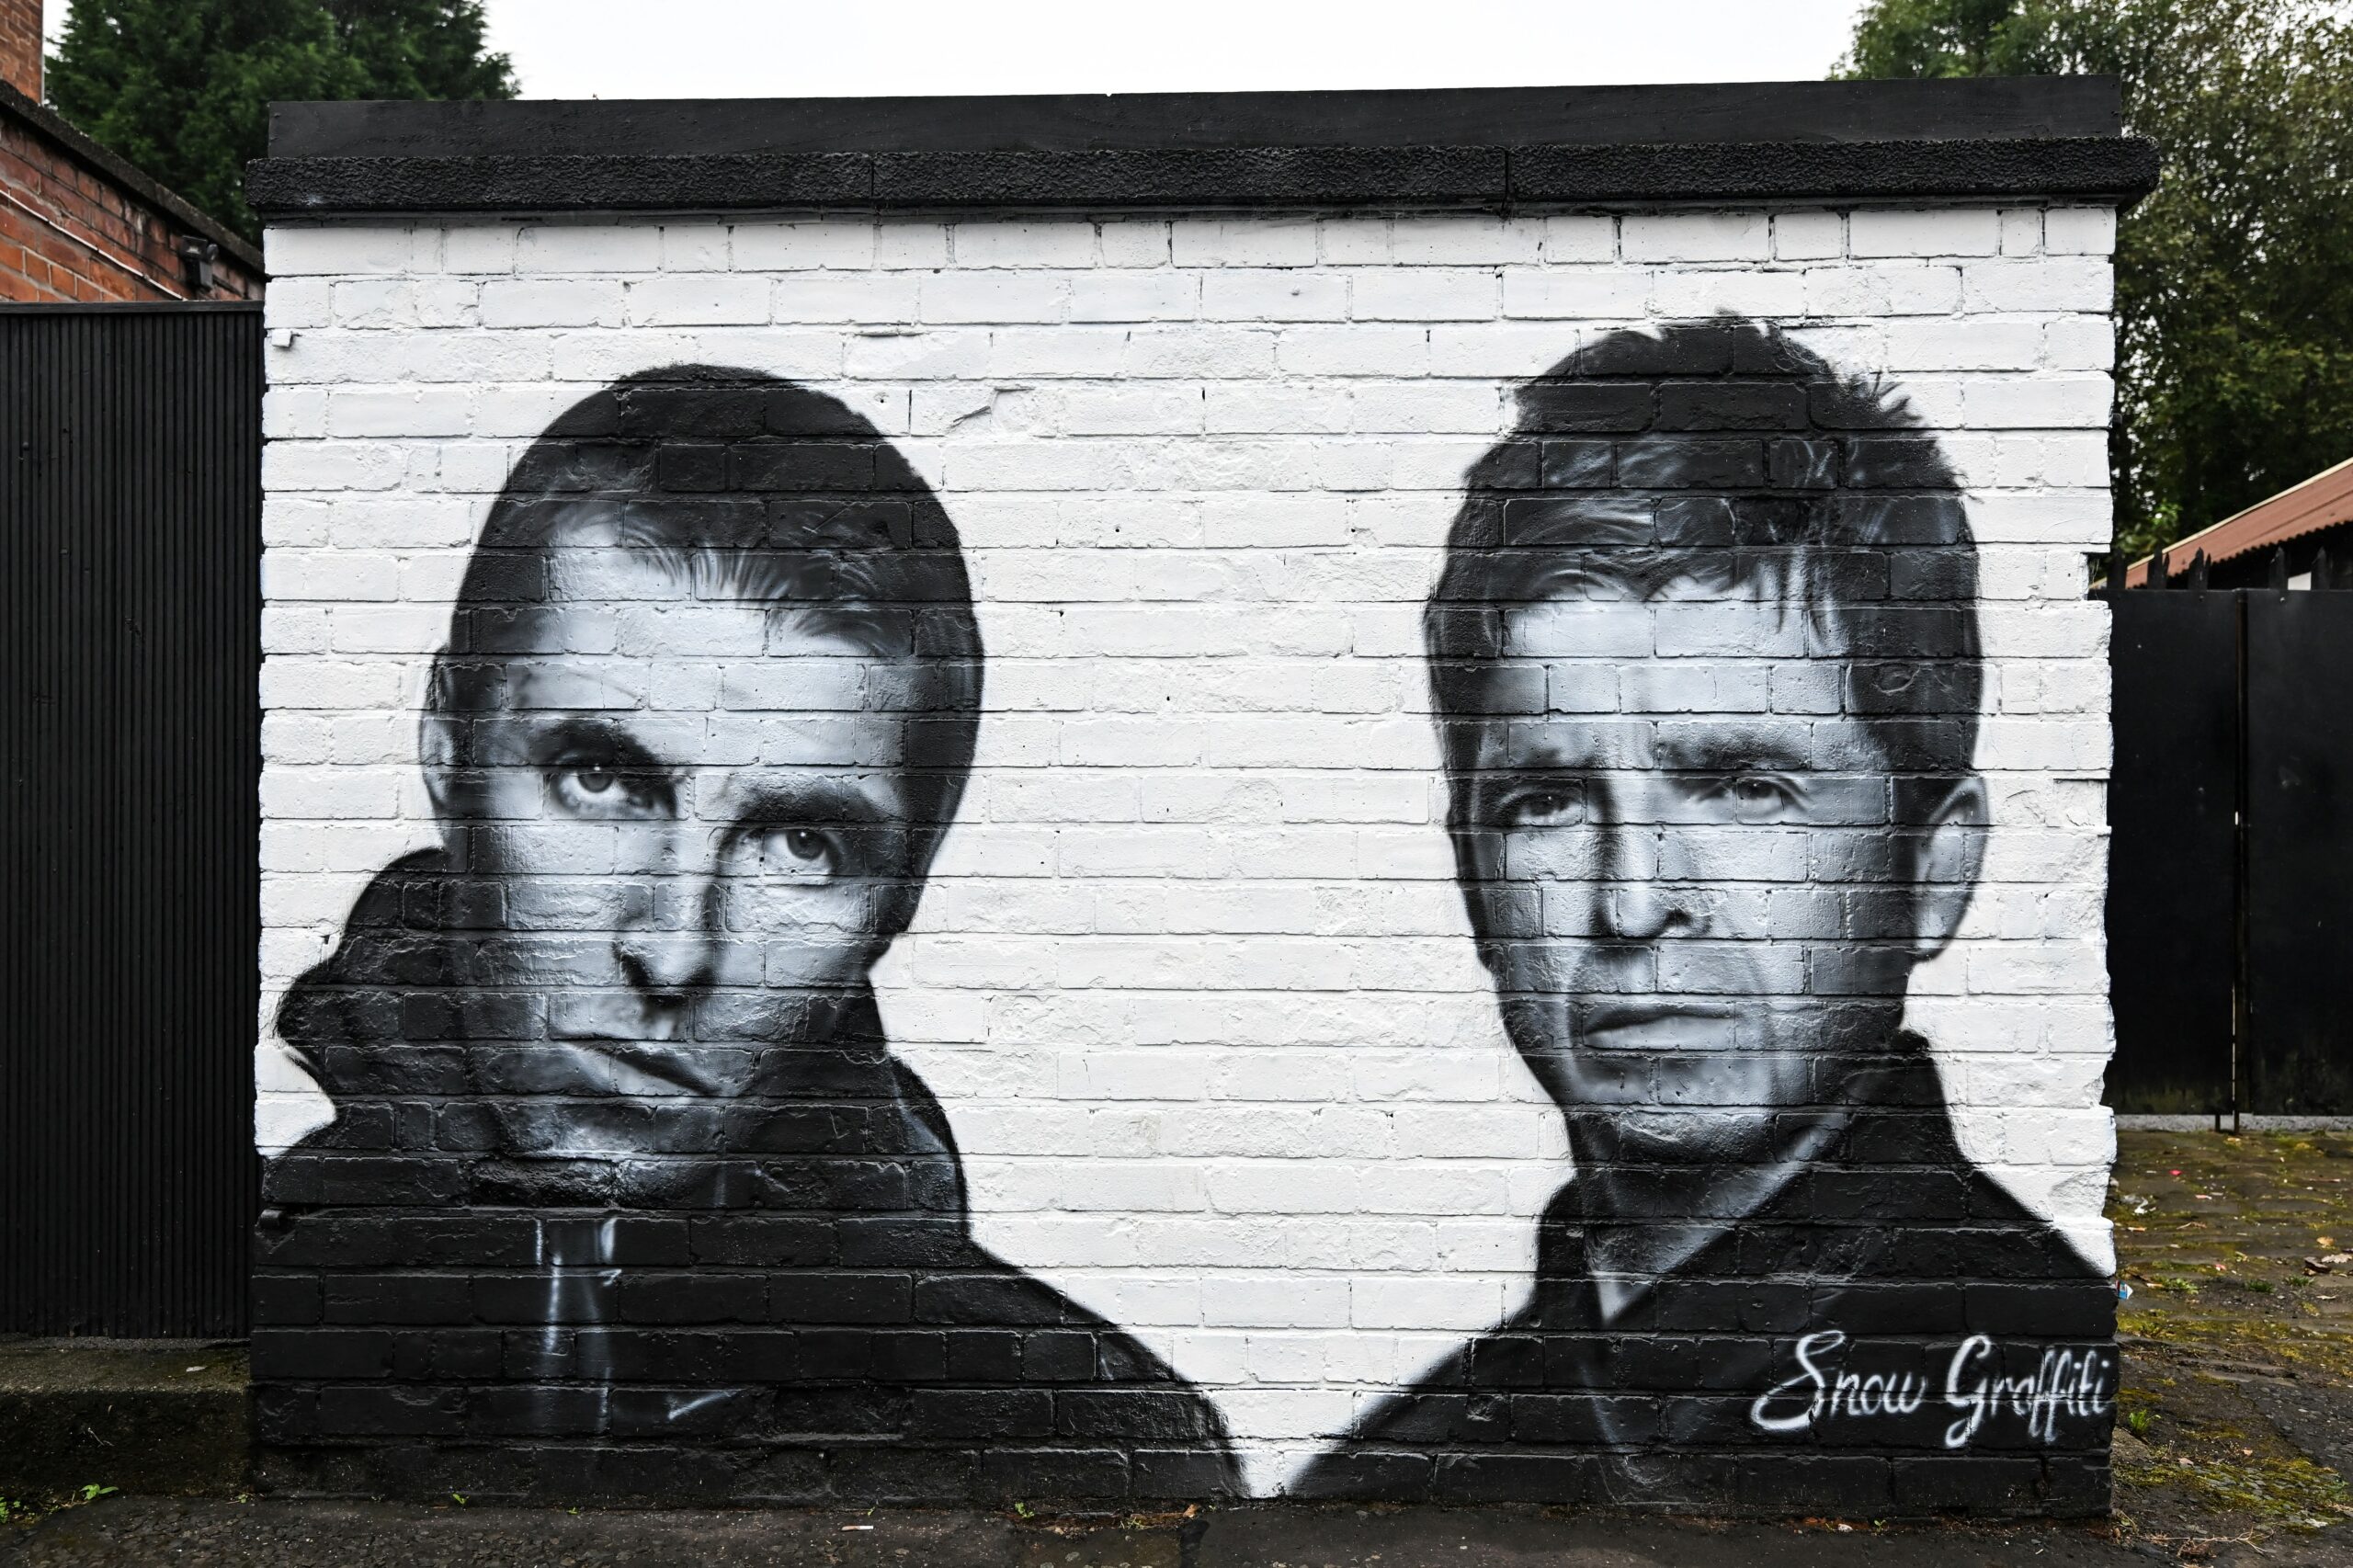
x,y
2172,849
129,603
2298,1060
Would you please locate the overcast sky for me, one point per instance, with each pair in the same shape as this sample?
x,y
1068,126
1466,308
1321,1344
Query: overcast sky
x,y
650,48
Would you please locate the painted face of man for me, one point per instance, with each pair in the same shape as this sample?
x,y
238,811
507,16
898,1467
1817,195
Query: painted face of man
x,y
688,818
1698,903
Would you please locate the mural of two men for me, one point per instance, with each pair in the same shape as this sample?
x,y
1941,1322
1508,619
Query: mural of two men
x,y
626,1195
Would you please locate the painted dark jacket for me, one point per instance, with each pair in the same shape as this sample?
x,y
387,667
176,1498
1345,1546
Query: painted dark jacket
x,y
780,1300
1890,1328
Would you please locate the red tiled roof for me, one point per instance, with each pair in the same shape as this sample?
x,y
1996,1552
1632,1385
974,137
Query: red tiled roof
x,y
2322,501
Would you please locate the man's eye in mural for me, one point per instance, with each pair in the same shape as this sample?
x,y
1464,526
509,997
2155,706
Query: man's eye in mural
x,y
597,791
1542,805
593,771
1753,797
799,853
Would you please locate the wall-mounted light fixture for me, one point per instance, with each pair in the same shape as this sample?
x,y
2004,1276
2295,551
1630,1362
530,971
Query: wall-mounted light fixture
x,y
196,257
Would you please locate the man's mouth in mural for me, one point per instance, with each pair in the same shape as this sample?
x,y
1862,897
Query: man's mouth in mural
x,y
643,1067
1656,1027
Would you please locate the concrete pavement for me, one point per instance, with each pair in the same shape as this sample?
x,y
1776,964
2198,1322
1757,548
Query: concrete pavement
x,y
281,1534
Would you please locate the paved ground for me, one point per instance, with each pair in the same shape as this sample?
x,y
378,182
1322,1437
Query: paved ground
x,y
2238,1432
145,1532
2238,1354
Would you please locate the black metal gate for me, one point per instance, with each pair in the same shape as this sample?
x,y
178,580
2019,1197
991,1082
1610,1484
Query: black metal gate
x,y
2229,913
129,584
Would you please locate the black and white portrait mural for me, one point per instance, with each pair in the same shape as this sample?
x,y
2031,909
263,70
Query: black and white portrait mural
x,y
1419,857
624,1182
1702,893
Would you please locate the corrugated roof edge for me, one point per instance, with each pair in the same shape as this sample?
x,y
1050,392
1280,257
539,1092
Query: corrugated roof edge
x,y
2321,501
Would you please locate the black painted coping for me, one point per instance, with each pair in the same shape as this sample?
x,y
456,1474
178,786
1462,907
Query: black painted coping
x,y
2054,136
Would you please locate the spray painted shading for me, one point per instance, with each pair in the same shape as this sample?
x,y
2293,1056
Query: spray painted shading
x,y
625,1195
1706,663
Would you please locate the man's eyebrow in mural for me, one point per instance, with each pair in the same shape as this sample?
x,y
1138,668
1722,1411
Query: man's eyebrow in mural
x,y
620,1144
1705,662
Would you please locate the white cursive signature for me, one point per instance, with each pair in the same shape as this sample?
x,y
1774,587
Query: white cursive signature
x,y
2067,1381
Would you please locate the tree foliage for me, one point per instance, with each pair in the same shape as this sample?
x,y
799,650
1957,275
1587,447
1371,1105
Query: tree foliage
x,y
183,87
2234,280
1938,37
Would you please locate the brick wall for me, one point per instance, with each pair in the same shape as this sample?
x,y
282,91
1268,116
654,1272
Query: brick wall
x,y
1192,979
21,46
76,225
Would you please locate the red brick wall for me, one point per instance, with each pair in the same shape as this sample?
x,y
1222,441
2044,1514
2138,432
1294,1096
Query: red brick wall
x,y
69,232
21,46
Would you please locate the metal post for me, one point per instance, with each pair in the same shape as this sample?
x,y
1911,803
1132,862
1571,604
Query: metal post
x,y
2239,900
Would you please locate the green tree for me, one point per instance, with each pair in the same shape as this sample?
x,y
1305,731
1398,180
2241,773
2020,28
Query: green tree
x,y
183,87
2234,279
1937,38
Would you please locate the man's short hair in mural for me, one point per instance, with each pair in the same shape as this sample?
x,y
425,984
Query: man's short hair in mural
x,y
620,1150
1706,666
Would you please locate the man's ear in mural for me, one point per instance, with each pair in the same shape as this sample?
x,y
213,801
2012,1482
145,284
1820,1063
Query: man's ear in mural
x,y
1947,859
440,749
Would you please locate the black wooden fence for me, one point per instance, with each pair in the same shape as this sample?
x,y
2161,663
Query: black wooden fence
x,y
129,603
2229,913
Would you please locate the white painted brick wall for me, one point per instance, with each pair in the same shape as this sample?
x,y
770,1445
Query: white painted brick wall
x,y
1192,979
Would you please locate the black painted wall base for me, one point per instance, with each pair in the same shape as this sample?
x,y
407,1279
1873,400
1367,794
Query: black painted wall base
x,y
1917,1486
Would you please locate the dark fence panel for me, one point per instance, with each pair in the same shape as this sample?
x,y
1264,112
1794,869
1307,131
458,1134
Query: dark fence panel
x,y
129,603
2298,1058
2172,850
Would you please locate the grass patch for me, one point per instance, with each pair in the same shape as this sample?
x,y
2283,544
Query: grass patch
x,y
31,1511
2329,1351
2291,1494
